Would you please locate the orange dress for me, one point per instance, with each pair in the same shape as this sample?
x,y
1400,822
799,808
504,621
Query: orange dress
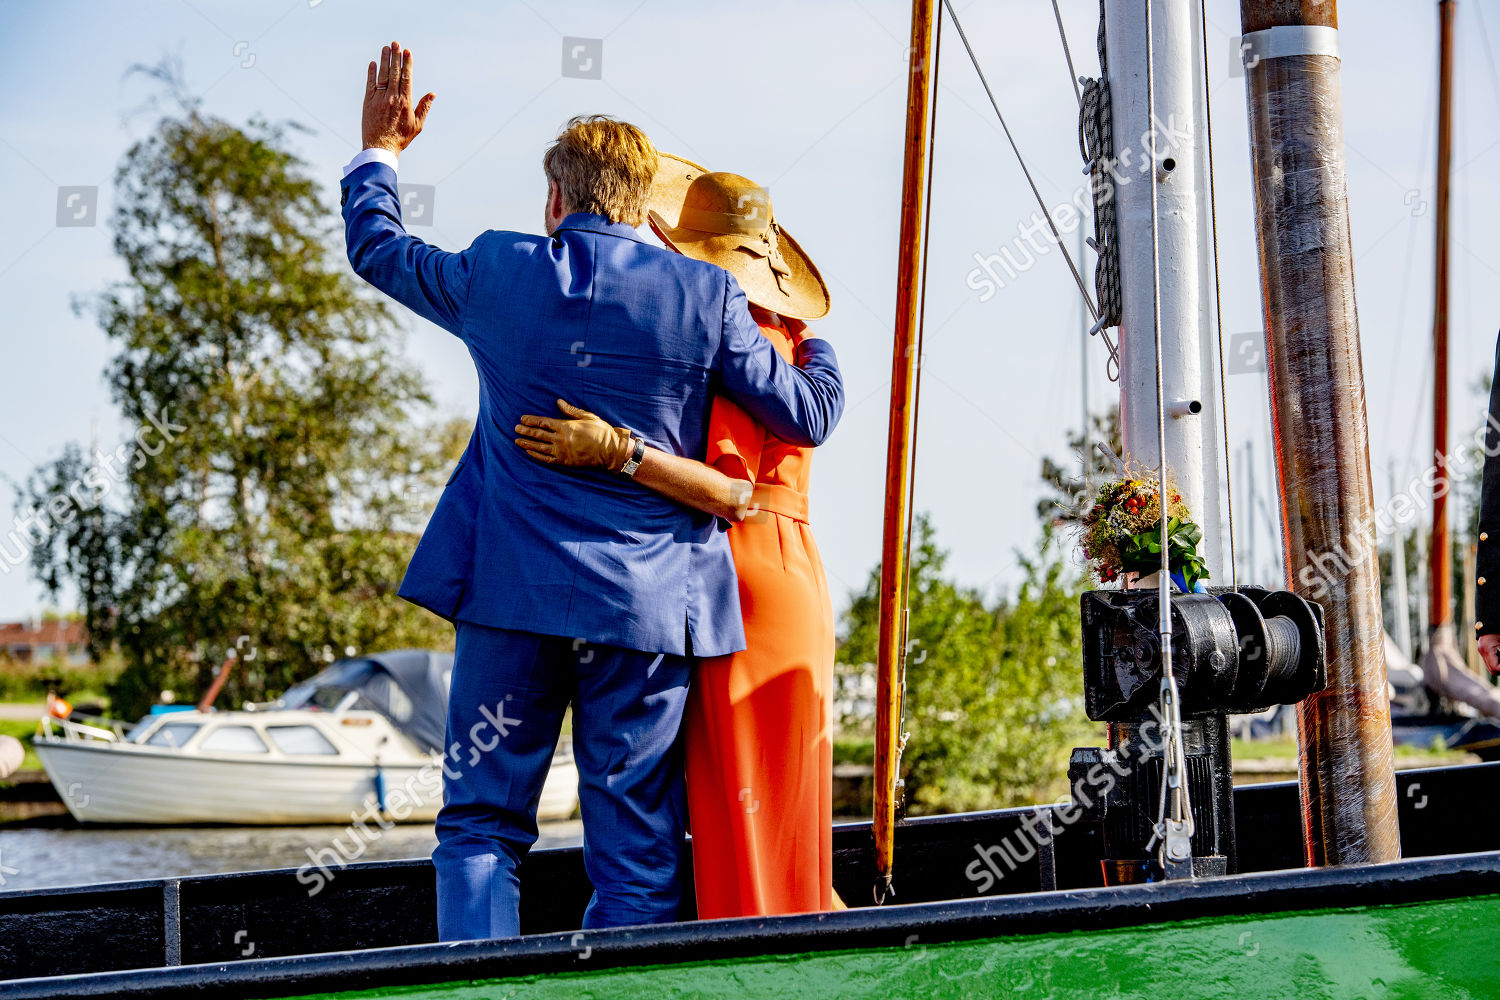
x,y
758,723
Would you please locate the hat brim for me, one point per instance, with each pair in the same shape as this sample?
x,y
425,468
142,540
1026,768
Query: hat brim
x,y
669,187
802,294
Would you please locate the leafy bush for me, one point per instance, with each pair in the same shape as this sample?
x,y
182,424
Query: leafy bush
x,y
31,681
994,692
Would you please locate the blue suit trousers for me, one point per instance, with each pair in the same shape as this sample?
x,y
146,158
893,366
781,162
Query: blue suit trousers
x,y
506,703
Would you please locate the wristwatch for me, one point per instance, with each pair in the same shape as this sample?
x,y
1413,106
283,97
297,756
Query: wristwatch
x,y
636,454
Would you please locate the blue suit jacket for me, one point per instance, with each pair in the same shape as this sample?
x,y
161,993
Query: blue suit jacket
x,y
639,335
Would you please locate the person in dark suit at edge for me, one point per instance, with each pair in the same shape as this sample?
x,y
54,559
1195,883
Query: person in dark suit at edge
x,y
1487,561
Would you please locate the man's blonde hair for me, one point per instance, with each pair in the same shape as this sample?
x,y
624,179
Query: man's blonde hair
x,y
604,167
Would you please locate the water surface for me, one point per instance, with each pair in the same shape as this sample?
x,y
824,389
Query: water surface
x,y
31,858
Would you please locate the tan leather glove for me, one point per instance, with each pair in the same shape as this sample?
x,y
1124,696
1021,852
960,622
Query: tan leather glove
x,y
581,442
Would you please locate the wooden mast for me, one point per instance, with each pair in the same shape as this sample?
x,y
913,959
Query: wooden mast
x,y
1440,552
1319,422
893,569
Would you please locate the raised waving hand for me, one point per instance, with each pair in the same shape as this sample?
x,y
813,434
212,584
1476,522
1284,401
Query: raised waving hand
x,y
390,120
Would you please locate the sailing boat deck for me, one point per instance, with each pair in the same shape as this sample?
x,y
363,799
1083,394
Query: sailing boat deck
x,y
1047,922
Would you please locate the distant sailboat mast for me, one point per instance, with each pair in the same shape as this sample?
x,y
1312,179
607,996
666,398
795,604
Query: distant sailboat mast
x,y
1443,667
1442,651
1400,608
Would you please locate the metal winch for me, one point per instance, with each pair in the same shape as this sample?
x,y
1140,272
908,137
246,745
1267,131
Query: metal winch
x,y
1233,651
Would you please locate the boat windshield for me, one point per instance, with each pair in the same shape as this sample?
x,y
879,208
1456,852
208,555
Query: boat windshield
x,y
409,687
171,734
330,699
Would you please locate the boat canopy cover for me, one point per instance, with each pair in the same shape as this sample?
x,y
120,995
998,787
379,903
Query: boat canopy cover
x,y
408,686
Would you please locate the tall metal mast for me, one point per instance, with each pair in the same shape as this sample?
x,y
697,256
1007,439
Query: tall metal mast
x,y
1160,187
1185,250
1318,420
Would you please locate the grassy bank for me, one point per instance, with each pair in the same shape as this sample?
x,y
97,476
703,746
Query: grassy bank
x,y
30,681
23,731
1286,749
862,751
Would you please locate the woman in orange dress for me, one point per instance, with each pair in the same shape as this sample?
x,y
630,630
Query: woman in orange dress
x,y
758,723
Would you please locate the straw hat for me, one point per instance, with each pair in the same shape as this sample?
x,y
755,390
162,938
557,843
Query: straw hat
x,y
726,219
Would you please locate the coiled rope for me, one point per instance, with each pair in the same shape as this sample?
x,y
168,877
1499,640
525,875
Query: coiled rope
x,y
1096,141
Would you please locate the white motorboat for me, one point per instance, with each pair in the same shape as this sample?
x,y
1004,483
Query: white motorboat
x,y
364,738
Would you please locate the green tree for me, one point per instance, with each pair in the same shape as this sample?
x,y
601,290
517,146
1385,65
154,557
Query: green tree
x,y
1068,491
993,692
272,494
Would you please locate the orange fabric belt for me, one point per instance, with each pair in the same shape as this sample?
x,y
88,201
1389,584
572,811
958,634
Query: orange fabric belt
x,y
781,500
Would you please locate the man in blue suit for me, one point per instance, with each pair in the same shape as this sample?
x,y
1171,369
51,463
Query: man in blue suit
x,y
571,586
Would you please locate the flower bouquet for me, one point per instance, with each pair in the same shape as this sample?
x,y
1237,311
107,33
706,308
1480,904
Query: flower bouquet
x,y
1121,533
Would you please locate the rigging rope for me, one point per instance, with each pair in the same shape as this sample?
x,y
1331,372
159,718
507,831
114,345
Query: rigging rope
x,y
1067,52
1213,214
1174,824
1096,141
1046,214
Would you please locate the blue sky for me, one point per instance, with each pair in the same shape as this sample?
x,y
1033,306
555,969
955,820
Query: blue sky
x,y
807,98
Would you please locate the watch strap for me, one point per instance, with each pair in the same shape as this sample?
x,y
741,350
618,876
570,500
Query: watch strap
x,y
636,455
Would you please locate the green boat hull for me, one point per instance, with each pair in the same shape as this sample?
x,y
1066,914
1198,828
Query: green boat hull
x,y
1441,950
